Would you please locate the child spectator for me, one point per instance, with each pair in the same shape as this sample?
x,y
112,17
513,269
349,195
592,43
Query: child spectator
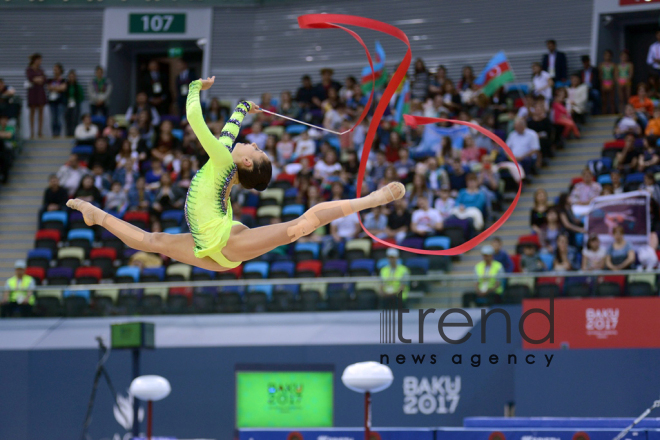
x,y
502,257
530,260
641,102
653,126
305,146
593,254
563,116
629,123
116,200
648,159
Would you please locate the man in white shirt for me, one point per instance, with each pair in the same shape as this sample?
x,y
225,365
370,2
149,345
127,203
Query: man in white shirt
x,y
425,221
341,230
525,146
326,167
653,58
70,174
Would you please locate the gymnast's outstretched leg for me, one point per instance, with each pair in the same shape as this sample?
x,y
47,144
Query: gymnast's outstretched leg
x,y
245,244
179,247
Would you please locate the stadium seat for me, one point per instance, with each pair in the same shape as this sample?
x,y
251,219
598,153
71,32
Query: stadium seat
x,y
282,269
256,298
296,129
178,272
366,295
271,197
362,267
82,238
577,289
47,239
437,243
292,212
632,181
102,305
76,303
255,270
619,280
284,298
230,301
38,273
310,298
171,218
232,274
335,268
379,250
515,294
127,274
522,281
417,266
110,241
281,183
172,230
337,297
357,249
70,257
456,235
645,277
306,251
177,133
308,269
203,301
77,221
640,288
265,214
138,218
128,304
152,302
608,288
414,243
604,179
54,220
199,274
177,304
48,305
547,291
104,258
559,281
290,196
40,258
88,275
84,152
152,274
59,276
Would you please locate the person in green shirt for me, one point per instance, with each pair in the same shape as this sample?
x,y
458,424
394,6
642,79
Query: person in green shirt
x,y
391,277
19,292
489,286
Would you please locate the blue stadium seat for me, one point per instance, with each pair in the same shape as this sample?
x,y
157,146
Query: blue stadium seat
x,y
417,266
201,274
99,120
255,269
266,288
173,214
634,178
334,141
129,271
384,262
173,230
54,216
282,269
177,133
362,267
40,253
295,210
291,193
83,151
306,248
437,243
296,128
153,273
548,260
83,234
604,179
81,293
232,289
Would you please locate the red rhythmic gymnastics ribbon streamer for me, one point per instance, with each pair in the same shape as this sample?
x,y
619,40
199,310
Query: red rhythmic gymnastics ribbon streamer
x,y
325,21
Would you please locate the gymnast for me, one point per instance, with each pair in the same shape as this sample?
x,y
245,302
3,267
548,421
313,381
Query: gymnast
x,y
215,241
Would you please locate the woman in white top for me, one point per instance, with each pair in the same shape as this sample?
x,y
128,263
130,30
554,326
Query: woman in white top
x,y
541,83
578,96
86,131
593,254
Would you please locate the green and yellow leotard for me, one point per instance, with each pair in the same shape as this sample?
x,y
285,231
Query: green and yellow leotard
x,y
208,207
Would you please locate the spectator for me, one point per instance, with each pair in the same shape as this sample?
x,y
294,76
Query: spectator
x,y
156,86
102,156
74,96
168,196
530,260
541,83
36,96
470,154
554,62
101,181
650,186
398,222
608,73
578,96
285,149
142,103
185,176
19,292
653,57
287,106
55,197
621,255
376,222
139,198
617,186
86,132
629,123
450,97
541,124
589,76
444,204
500,256
308,100
127,175
641,102
489,286
116,200
584,192
166,145
472,196
214,111
437,176
70,174
257,136
99,90
419,191
653,126
457,175
125,154
56,98
88,192
184,77
438,81
305,146
146,128
625,73
327,166
467,79
7,133
565,256
420,81
538,217
341,230
346,92
648,159
327,83
391,277
593,254
567,218
563,116
550,231
405,167
154,174
7,94
425,221
626,159
525,146
352,164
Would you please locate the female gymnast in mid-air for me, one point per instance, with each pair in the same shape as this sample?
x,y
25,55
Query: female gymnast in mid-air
x,y
215,241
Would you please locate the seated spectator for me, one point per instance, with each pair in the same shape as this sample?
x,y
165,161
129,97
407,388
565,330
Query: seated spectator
x,y
472,196
425,221
629,123
538,216
541,124
88,192
146,128
527,110
617,186
18,295
398,222
102,156
653,126
285,149
287,106
621,255
391,276
444,204
139,197
166,145
305,146
116,200
86,132
100,177
541,82
419,191
626,159
341,230
489,182
185,176
327,166
470,154
457,175
648,158
489,286
379,166
138,144
565,256
578,98
376,222
550,231
126,154
569,221
650,186
142,104
530,260
153,175
501,256
563,116
405,166
446,155
525,146
257,136
593,254
641,102
71,173
126,175
55,197
168,196
584,192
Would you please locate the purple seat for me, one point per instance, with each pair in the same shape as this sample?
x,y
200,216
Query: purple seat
x,y
172,118
454,222
128,253
59,276
415,243
335,268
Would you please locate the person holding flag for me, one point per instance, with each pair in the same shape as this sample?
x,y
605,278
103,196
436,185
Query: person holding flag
x,y
496,73
379,77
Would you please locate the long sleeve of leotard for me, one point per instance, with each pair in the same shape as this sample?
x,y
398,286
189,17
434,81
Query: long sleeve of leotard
x,y
219,150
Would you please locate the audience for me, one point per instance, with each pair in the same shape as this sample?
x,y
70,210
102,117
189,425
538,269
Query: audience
x,y
621,254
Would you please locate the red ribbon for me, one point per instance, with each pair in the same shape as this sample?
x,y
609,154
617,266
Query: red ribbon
x,y
326,21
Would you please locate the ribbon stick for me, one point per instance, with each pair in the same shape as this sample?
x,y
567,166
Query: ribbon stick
x,y
326,21
305,123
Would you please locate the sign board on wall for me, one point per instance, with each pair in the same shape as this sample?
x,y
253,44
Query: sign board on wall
x,y
157,23
636,2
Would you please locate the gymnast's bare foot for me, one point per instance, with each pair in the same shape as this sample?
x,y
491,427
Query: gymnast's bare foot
x,y
389,193
91,214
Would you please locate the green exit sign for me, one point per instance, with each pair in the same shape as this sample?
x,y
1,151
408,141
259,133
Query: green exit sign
x,y
157,23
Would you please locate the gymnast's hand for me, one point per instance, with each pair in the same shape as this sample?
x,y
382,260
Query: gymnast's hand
x,y
254,108
207,83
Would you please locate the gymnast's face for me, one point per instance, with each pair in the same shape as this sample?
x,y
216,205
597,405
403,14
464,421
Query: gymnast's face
x,y
247,154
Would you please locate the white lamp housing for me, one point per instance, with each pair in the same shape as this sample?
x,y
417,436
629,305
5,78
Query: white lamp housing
x,y
367,377
150,388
